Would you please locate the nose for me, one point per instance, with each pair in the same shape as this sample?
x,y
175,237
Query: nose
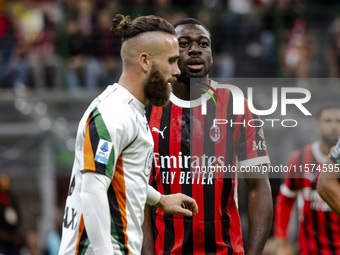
x,y
194,49
176,71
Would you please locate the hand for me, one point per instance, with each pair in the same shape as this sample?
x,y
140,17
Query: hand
x,y
178,204
284,247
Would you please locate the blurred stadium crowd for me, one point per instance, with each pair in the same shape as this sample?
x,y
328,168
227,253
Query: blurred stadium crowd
x,y
67,45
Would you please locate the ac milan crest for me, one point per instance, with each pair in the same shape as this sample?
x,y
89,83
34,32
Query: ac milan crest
x,y
215,133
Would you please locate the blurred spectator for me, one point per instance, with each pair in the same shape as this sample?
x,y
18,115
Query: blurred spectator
x,y
83,68
240,6
108,49
9,219
225,65
31,244
54,237
27,23
42,59
162,3
70,8
112,7
290,4
334,49
7,43
297,51
267,39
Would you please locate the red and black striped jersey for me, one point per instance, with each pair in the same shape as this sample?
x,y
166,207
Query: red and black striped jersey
x,y
184,139
319,226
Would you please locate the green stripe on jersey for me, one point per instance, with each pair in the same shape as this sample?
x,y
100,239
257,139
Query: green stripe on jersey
x,y
114,234
103,133
86,245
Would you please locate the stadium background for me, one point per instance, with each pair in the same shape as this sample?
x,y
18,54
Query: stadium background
x,y
56,56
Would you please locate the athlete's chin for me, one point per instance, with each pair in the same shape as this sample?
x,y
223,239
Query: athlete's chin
x,y
330,140
198,72
187,77
198,75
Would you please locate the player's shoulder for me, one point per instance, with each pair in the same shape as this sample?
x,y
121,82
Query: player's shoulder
x,y
115,95
116,104
296,153
308,148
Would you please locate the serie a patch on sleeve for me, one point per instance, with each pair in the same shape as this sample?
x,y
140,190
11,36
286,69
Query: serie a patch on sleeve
x,y
103,151
335,152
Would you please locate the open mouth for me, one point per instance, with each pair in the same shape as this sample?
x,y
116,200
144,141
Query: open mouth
x,y
195,65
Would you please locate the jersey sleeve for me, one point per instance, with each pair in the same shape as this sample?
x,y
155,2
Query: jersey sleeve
x,y
293,179
283,209
287,196
251,145
106,135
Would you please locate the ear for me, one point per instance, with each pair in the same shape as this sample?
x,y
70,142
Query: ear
x,y
145,61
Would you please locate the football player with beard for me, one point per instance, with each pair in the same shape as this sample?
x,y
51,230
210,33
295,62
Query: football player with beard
x,y
318,225
113,153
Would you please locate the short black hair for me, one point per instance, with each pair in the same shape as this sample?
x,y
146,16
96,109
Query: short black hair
x,y
185,21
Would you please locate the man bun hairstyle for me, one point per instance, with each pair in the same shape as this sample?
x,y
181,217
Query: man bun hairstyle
x,y
120,24
124,27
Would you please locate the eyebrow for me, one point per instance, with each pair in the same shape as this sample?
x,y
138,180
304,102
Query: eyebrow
x,y
189,38
174,57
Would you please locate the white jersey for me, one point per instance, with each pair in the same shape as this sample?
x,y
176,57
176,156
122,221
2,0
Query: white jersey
x,y
113,139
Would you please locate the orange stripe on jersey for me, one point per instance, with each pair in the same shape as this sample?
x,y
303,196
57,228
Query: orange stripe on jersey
x,y
88,150
81,230
118,185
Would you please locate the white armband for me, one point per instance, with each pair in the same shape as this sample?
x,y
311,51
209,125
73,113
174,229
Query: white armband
x,y
153,196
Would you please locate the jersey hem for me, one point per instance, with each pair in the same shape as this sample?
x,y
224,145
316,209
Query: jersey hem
x,y
255,161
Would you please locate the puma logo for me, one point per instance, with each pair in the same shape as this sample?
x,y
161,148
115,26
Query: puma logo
x,y
154,129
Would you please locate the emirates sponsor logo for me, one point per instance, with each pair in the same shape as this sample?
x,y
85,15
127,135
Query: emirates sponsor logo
x,y
186,161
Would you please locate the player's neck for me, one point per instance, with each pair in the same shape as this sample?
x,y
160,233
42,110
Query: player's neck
x,y
186,92
180,90
324,147
133,84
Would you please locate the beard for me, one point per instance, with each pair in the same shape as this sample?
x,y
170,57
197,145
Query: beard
x,y
156,89
330,142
